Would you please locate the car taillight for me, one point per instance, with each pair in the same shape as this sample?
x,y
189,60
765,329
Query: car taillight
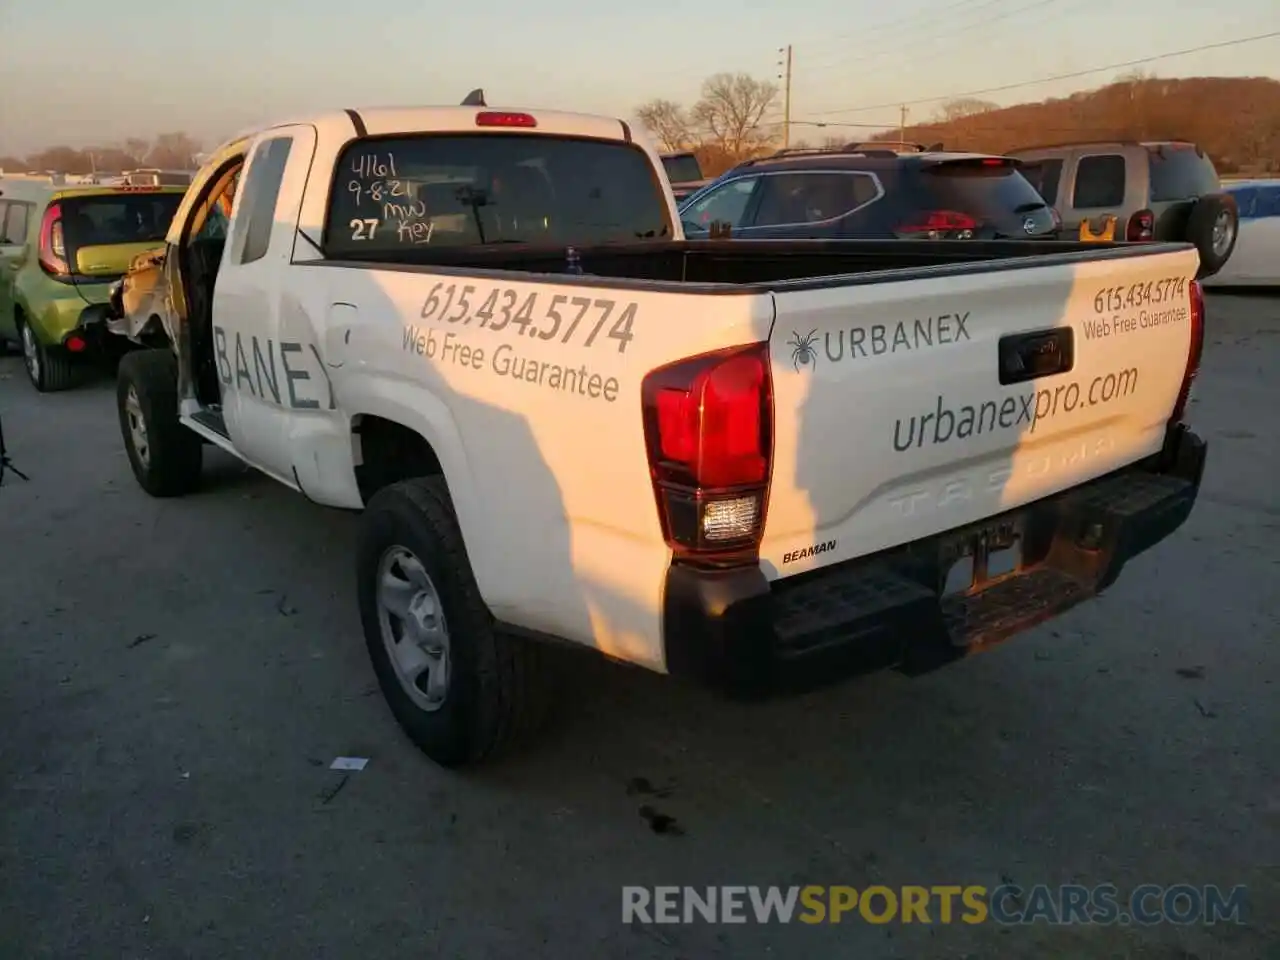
x,y
1142,226
1194,352
938,225
53,250
708,426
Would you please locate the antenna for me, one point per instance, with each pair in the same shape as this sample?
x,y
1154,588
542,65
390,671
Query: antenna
x,y
475,98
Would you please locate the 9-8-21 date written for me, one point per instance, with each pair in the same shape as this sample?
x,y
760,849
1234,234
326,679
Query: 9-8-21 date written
x,y
594,321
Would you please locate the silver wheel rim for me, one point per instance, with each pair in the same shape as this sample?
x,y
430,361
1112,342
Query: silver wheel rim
x,y
137,428
30,352
414,632
1223,233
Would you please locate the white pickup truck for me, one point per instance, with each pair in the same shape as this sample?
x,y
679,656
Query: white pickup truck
x,y
749,463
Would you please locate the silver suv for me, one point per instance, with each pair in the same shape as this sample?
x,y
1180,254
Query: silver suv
x,y
1166,190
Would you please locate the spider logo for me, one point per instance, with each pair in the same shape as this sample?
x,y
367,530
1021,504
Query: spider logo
x,y
802,352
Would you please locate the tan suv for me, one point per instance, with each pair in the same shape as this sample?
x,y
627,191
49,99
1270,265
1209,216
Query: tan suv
x,y
1167,190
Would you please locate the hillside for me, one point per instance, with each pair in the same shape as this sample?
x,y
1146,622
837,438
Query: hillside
x,y
1236,119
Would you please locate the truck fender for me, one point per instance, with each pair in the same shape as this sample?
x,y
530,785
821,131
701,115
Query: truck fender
x,y
425,414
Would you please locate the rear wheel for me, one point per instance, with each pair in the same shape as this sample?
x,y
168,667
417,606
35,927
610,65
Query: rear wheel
x,y
48,369
165,456
462,691
1213,226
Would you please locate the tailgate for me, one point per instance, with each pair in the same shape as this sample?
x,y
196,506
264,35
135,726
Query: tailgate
x,y
892,420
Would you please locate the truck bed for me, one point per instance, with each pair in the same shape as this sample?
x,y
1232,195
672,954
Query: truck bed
x,y
756,265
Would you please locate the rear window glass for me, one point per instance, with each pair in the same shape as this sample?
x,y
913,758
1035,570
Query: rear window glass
x,y
1100,182
1181,173
393,196
985,192
1045,176
682,169
121,218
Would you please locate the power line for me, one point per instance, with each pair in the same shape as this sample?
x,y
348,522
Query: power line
x,y
937,38
1061,76
878,31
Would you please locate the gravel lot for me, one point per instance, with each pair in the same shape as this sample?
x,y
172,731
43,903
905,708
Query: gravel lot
x,y
175,679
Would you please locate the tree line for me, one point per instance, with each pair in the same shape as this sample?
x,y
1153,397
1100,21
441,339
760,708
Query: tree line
x,y
1236,120
169,151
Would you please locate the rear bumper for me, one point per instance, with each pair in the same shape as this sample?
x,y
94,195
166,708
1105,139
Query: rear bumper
x,y
90,333
735,630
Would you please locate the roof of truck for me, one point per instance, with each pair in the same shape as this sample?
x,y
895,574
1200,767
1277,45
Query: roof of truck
x,y
389,120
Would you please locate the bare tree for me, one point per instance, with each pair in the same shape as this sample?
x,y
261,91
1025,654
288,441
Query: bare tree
x,y
137,148
669,123
731,110
965,107
173,151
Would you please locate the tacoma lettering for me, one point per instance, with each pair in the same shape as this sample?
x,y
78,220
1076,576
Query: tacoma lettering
x,y
808,552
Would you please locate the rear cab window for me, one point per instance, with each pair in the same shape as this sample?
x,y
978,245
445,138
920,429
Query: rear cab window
x,y
683,168
1181,172
398,196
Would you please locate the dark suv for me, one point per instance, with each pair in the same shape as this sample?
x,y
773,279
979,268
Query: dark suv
x,y
1155,191
861,192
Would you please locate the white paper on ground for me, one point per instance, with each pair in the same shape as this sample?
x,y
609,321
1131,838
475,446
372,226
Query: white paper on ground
x,y
349,763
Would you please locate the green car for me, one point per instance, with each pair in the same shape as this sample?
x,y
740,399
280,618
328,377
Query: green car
x,y
61,248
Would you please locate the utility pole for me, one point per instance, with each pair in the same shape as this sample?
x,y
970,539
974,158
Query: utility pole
x,y
902,124
785,77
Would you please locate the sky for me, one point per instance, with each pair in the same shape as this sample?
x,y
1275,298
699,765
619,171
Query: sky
x,y
83,72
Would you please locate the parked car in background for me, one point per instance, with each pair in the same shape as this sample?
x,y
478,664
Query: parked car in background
x,y
867,193
685,173
155,177
1166,190
61,249
1256,260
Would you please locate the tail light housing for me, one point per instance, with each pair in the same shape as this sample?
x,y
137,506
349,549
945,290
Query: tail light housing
x,y
1194,352
53,248
1141,226
708,426
938,225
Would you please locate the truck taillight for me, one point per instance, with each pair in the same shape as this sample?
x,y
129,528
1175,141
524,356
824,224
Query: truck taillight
x,y
1194,352
53,249
938,225
1142,226
708,426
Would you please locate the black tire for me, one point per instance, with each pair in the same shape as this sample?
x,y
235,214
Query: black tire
x,y
171,464
499,687
51,369
1200,231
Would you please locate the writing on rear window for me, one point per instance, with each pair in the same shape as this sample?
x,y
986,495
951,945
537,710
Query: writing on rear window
x,y
392,196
